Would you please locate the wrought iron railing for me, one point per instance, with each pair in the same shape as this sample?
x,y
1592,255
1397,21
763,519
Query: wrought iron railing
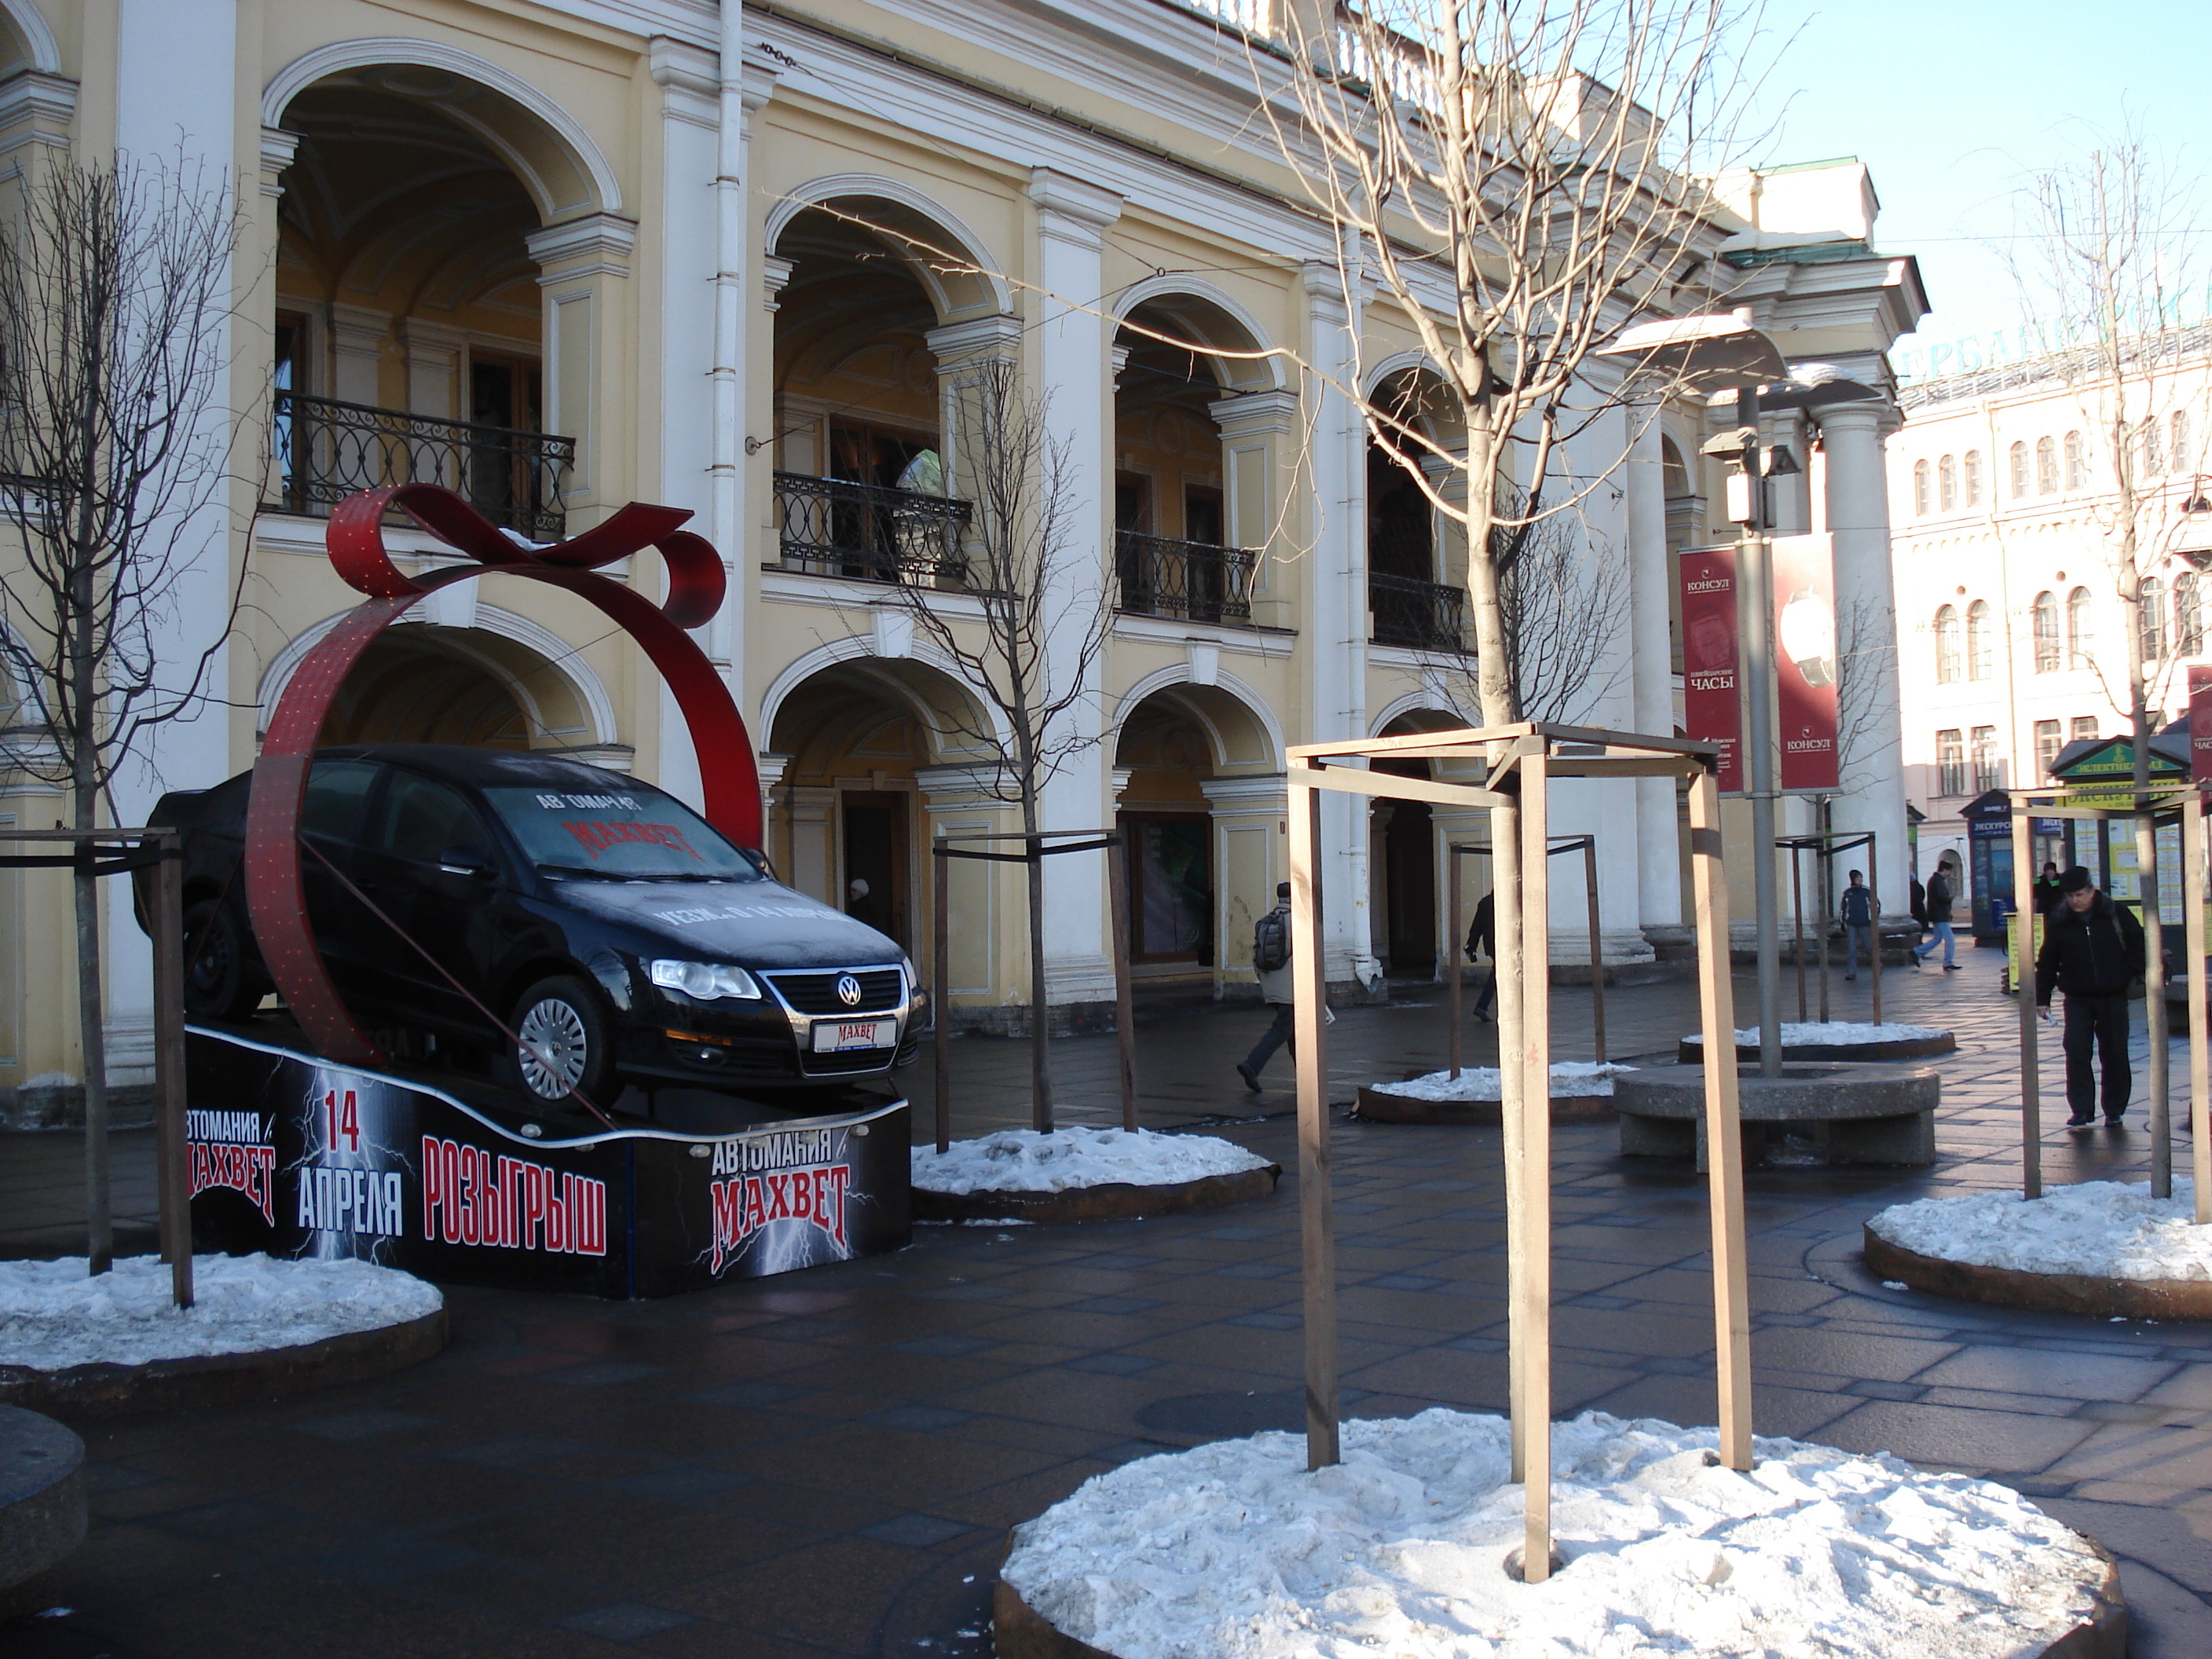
x,y
326,450
1420,616
833,527
1195,581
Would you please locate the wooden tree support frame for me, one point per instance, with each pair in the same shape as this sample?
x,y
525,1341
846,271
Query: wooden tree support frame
x,y
2186,805
1520,762
1825,848
942,851
123,852
1587,846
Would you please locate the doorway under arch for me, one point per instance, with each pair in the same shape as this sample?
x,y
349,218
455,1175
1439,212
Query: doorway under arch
x,y
427,683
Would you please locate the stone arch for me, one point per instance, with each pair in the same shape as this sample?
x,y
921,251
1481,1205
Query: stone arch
x,y
1242,730
920,230
924,682
565,172
1416,711
26,42
1207,316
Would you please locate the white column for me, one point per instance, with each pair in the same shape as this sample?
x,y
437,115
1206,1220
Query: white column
x,y
1872,795
1651,678
1333,616
1249,859
1072,342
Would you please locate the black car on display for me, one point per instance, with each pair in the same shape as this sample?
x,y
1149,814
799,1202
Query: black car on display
x,y
616,934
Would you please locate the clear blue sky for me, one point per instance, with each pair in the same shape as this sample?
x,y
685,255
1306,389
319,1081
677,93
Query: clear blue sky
x,y
1948,102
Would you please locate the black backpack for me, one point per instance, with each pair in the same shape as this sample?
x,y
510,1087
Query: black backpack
x,y
1271,942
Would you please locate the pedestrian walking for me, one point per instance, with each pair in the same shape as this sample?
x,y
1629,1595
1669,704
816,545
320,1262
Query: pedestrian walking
x,y
1270,960
1857,910
2092,950
1939,921
1482,941
2046,892
1917,905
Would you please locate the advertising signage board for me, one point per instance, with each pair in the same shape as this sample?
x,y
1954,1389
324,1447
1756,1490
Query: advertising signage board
x,y
1711,706
1807,664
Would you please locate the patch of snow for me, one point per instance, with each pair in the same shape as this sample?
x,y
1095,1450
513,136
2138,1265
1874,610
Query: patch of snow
x,y
2110,1229
1834,1032
52,1080
1568,1077
1023,1161
53,1314
1234,1549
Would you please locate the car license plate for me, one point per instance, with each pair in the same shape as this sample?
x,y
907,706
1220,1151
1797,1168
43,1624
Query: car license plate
x,y
834,1036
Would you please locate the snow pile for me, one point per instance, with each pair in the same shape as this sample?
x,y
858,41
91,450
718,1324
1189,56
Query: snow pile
x,y
53,1314
2106,1228
1568,1077
1233,1548
1833,1033
1023,1161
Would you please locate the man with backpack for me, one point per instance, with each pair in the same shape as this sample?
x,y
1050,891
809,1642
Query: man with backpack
x,y
1270,960
1939,921
1857,910
2092,950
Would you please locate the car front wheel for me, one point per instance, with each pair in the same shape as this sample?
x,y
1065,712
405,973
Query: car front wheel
x,y
565,1042
224,981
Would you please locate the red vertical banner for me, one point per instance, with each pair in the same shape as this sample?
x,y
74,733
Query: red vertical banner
x,y
2200,724
1711,708
1807,662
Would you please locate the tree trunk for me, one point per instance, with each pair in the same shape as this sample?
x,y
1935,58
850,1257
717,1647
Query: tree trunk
x,y
1040,1020
99,1218
1493,665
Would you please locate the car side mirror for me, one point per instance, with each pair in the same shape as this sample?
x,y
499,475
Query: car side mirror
x,y
467,860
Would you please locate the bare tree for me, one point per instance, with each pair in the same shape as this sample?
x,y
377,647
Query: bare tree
x,y
1046,606
1516,175
115,284
1866,651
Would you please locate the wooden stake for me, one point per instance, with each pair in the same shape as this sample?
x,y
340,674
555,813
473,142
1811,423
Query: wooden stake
x,y
1505,924
2153,926
1125,1009
1529,1231
1452,993
1596,952
172,1181
1797,923
2031,1106
1724,1123
2200,1095
1873,881
1316,1218
940,960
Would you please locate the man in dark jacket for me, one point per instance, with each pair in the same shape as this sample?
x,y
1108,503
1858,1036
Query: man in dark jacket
x,y
2047,894
1482,940
1939,921
2092,950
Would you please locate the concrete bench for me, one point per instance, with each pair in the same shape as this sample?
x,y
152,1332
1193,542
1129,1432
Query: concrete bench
x,y
41,1505
1856,1113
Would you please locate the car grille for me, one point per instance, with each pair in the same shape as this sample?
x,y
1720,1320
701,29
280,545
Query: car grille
x,y
882,990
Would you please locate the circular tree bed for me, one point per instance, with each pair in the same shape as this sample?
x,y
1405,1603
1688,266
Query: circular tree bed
x,y
1401,1548
98,1347
1581,1092
2101,1248
1834,1039
1082,1174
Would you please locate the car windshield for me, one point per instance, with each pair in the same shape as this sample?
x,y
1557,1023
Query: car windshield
x,y
636,834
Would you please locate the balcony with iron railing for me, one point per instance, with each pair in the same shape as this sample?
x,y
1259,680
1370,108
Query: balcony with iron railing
x,y
1420,615
1190,581
325,450
871,533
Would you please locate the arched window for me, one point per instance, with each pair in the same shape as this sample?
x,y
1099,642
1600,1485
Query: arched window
x,y
1971,467
1947,645
2188,615
2016,461
2046,615
2176,448
1920,490
2046,467
1947,483
1981,642
2150,604
2077,462
2154,448
2081,631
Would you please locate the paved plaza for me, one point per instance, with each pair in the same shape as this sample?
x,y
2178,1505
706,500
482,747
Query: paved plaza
x,y
827,1463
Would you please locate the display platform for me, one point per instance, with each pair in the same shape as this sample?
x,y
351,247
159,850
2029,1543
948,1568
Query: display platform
x,y
462,1184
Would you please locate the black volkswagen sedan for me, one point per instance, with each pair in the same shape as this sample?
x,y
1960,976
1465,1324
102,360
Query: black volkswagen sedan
x,y
619,938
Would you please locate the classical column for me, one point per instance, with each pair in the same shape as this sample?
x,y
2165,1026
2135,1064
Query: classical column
x,y
1866,604
357,337
1072,341
583,271
1332,614
1248,861
1257,431
1651,675
988,936
433,374
960,350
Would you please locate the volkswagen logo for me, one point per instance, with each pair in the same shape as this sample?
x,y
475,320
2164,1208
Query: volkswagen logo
x,y
848,990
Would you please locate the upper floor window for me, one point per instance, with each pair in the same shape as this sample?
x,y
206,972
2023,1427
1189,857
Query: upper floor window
x,y
1950,761
2178,453
2080,632
2047,745
1987,774
2082,726
1947,483
2188,615
1969,467
1947,645
2045,616
2150,601
1981,642
1920,490
2077,462
2153,451
2016,466
2046,466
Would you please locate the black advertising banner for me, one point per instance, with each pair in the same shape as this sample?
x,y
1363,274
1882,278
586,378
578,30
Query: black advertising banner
x,y
295,1156
1805,662
1711,711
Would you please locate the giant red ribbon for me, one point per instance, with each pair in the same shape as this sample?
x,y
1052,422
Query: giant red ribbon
x,y
275,896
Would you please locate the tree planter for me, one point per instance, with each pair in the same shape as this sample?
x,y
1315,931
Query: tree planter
x,y
2088,1294
1381,1106
1114,1201
1691,1050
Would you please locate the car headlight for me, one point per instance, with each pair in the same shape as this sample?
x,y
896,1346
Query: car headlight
x,y
706,981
